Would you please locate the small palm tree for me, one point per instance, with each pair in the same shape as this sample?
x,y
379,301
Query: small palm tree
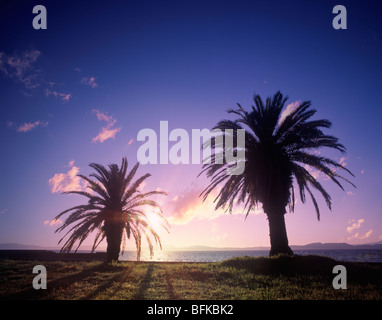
x,y
279,151
114,208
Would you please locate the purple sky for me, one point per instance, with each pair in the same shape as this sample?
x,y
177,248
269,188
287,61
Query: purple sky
x,y
80,91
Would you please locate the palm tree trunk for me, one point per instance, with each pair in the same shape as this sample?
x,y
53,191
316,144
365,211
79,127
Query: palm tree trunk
x,y
278,235
114,239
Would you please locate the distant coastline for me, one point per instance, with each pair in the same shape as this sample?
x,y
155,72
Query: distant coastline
x,y
310,246
338,251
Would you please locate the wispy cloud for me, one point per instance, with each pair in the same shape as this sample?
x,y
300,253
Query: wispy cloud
x,y
355,225
361,236
63,182
91,81
188,205
59,95
320,175
28,126
289,109
20,67
53,222
343,161
107,132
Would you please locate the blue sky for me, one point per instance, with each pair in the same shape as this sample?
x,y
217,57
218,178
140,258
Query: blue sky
x,y
110,69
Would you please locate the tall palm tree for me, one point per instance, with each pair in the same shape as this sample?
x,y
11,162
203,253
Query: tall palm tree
x,y
279,151
115,208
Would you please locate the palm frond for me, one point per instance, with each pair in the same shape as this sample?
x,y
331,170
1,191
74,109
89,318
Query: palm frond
x,y
278,151
116,200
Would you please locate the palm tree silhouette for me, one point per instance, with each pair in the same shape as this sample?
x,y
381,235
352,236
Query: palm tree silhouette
x,y
278,152
115,208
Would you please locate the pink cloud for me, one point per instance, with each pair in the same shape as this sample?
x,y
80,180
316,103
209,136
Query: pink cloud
x,y
316,174
188,205
60,95
361,236
29,126
107,132
89,82
21,67
104,117
289,109
367,234
66,97
342,161
63,182
53,222
142,185
355,225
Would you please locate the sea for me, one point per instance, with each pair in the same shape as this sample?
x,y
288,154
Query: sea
x,y
352,255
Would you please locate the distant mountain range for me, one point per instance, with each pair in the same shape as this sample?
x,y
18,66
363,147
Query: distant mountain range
x,y
310,246
18,246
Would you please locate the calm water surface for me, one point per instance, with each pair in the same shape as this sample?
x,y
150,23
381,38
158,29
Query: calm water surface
x,y
215,256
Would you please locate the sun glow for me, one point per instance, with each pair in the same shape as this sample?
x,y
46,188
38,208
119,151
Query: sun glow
x,y
154,219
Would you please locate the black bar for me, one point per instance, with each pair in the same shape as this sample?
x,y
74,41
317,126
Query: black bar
x,y
195,309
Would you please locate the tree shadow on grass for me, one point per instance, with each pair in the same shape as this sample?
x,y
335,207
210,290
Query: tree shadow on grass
x,y
62,282
170,287
145,283
306,265
120,278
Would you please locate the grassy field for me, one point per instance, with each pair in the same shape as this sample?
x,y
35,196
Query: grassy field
x,y
298,277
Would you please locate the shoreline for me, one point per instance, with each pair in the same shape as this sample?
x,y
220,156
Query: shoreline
x,y
48,255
